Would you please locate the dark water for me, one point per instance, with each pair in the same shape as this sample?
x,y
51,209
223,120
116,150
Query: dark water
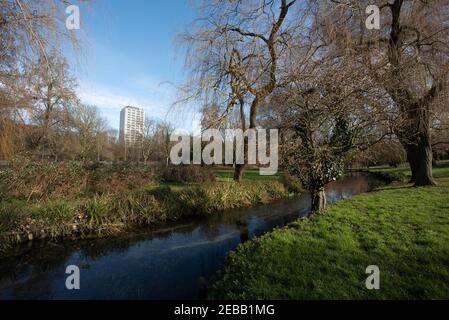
x,y
171,262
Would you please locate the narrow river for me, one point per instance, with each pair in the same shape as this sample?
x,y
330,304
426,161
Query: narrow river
x,y
173,261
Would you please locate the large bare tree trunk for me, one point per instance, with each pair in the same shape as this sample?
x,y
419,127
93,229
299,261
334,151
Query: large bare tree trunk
x,y
411,159
417,144
419,156
238,170
415,111
318,200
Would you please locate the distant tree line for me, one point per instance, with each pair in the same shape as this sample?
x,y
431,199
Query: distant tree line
x,y
41,115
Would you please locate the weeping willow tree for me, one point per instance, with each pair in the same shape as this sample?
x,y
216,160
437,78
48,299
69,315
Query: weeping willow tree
x,y
6,143
408,56
236,55
30,30
13,99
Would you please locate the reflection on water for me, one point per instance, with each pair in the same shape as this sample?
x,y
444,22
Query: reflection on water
x,y
167,263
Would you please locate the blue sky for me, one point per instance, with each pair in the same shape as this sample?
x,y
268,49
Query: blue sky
x,y
130,54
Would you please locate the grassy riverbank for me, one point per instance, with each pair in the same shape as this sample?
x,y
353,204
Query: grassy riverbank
x,y
85,213
401,229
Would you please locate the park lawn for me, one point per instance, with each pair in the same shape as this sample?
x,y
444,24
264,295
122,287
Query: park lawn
x,y
227,174
404,231
440,172
224,174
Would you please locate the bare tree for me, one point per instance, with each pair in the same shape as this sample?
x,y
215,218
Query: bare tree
x,y
90,128
53,92
148,143
156,144
234,55
32,29
408,57
30,32
163,134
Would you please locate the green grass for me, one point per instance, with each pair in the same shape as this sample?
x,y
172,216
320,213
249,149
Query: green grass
x,y
227,174
439,172
403,173
404,231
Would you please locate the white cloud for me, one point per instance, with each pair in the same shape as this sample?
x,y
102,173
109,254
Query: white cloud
x,y
116,98
156,100
103,99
